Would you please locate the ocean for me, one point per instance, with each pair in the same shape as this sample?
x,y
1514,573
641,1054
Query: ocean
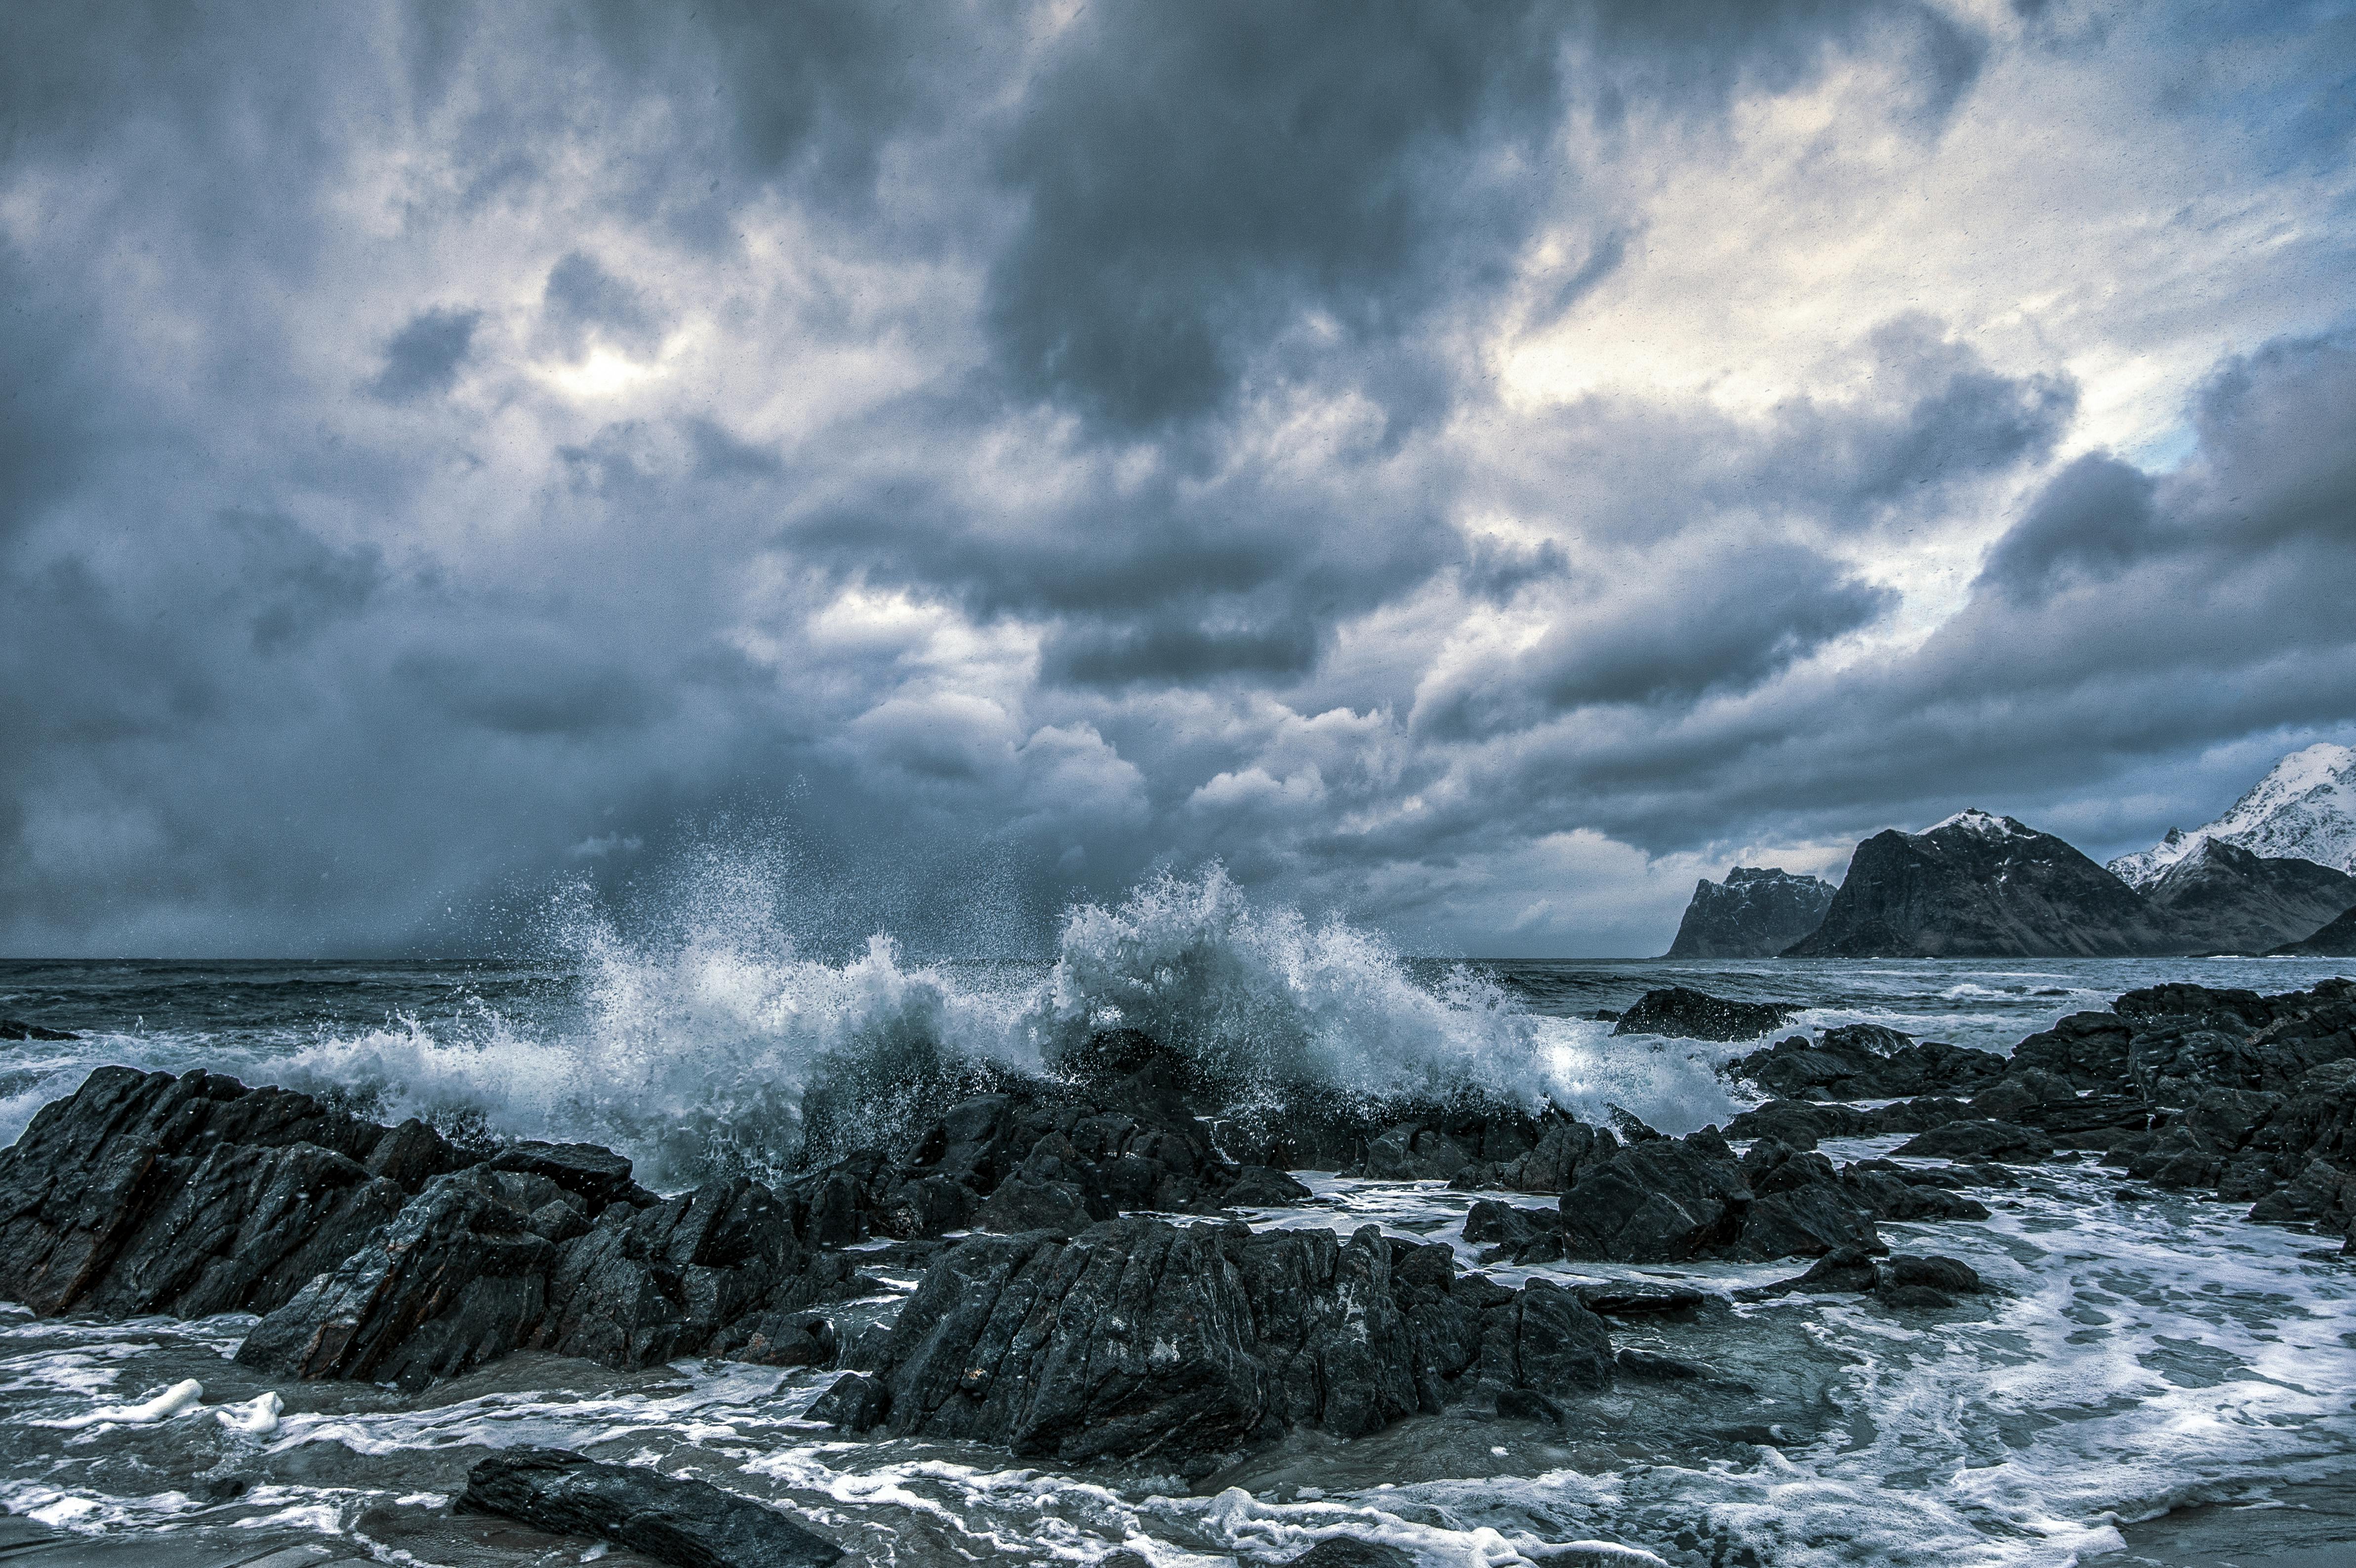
x,y
2134,1358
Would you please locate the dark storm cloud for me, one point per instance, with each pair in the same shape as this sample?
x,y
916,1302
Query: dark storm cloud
x,y
2095,519
1706,623
1197,176
443,446
423,359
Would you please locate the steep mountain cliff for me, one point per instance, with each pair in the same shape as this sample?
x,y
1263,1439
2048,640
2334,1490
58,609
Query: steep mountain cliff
x,y
2226,899
2305,808
1978,886
2337,940
1756,912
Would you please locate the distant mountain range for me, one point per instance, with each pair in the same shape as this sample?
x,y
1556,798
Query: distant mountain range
x,y
2305,808
2271,875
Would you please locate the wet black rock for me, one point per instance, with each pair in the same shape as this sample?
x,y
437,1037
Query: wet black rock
x,y
671,1518
854,1401
1889,1190
1978,886
2337,939
1980,1140
1640,1298
1651,1367
1864,1061
461,1277
1686,1014
18,1028
1063,1157
2187,1039
144,1193
1667,1200
1026,1203
2089,1050
598,1176
1138,1337
1951,1276
1847,1271
2229,901
1512,1234
1755,913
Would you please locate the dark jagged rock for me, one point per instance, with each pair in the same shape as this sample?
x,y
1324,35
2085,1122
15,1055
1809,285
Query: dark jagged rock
x,y
1511,1235
18,1028
1138,1338
671,1518
1980,1140
1639,1298
2186,1038
598,1176
1688,1013
2337,939
1864,1061
1667,1200
1114,1144
1889,1190
1755,913
144,1193
1847,1271
1951,1276
2227,899
464,1274
2088,1050
1978,886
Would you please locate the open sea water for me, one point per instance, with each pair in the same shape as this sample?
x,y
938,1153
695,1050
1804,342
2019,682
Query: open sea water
x,y
2135,1358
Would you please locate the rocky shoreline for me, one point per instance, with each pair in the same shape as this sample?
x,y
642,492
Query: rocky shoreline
x,y
1067,1309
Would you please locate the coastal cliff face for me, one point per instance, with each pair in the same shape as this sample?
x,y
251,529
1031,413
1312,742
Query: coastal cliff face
x,y
1756,912
1979,886
2227,899
2336,940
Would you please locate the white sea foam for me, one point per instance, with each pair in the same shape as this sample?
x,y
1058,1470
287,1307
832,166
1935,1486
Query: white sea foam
x,y
710,1045
183,1395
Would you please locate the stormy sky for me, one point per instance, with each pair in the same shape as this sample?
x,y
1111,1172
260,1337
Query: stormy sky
x,y
1471,466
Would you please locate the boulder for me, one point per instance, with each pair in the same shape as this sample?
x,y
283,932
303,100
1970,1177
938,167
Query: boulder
x,y
460,1277
1688,1013
18,1028
1889,1190
2089,1050
1511,1235
1137,1338
1666,1199
1639,1298
671,1518
1951,1276
1980,1140
1847,1271
142,1192
1865,1061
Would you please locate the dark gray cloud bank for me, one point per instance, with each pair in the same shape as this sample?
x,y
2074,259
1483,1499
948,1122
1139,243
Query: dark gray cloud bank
x,y
1475,467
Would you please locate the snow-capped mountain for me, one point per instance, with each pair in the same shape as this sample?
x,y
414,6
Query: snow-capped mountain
x,y
2305,808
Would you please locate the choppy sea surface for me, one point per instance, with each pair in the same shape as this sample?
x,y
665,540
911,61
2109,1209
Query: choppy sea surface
x,y
2137,1357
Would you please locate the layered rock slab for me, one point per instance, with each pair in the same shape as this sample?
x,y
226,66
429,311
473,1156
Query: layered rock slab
x,y
1138,1337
